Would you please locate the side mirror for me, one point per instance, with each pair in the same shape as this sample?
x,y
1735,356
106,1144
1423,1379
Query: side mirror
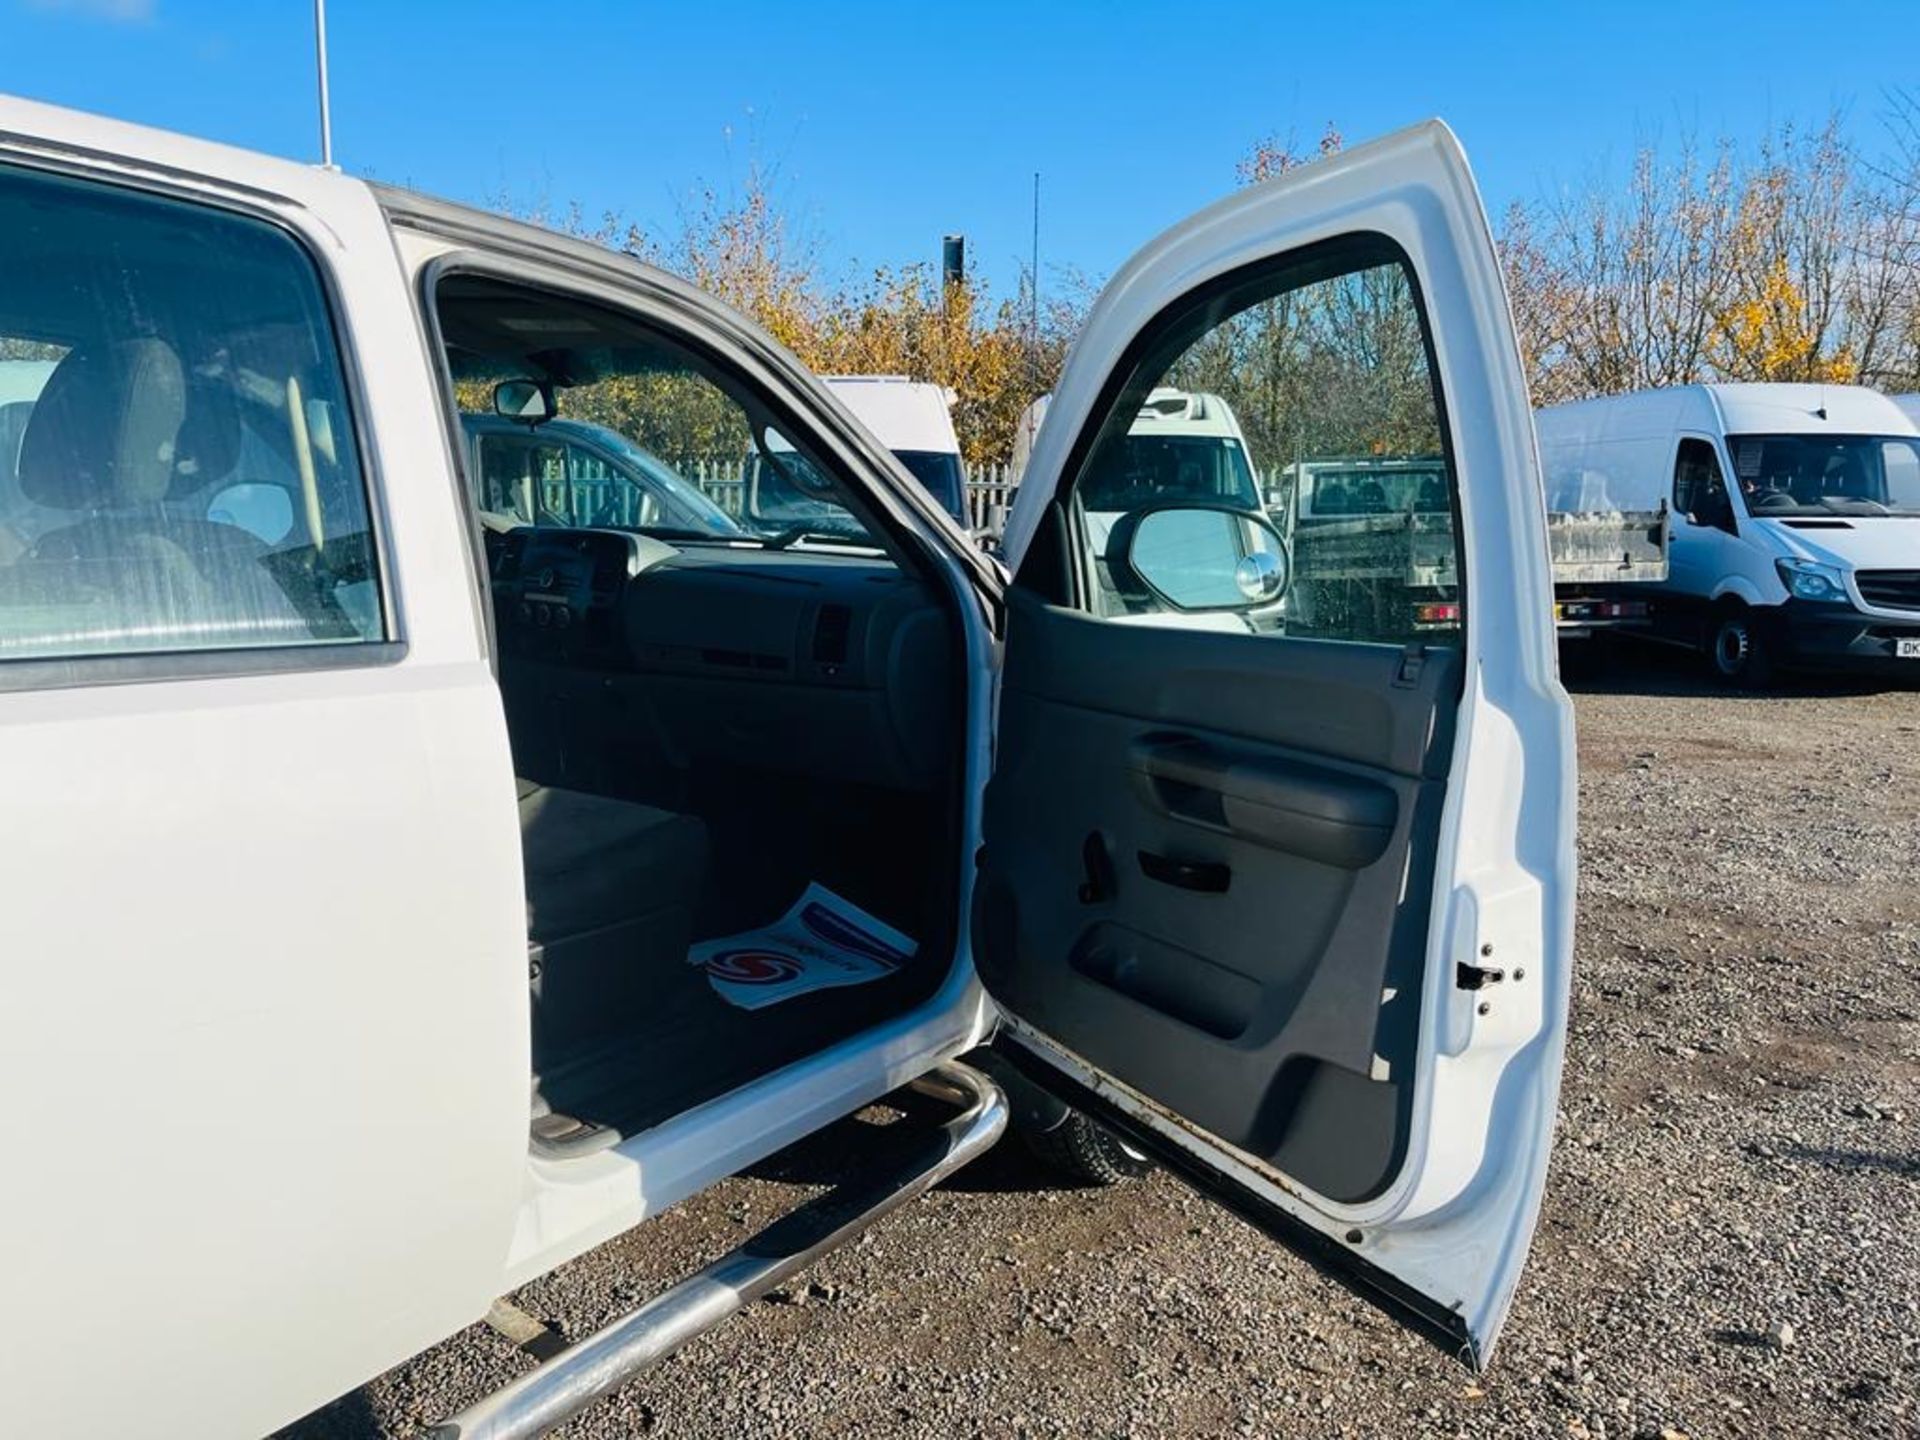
x,y
528,401
1193,557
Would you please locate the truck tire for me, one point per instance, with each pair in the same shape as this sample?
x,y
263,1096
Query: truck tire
x,y
1740,650
1080,1150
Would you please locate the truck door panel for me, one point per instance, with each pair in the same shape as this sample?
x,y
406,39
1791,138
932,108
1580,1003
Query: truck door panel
x,y
1278,881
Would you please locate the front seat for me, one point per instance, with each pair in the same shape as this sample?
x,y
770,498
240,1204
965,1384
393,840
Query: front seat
x,y
611,887
100,445
108,442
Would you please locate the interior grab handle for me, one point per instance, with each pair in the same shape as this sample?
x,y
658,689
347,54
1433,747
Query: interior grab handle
x,y
1295,805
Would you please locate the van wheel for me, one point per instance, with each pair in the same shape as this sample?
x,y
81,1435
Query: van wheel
x,y
1740,652
1080,1150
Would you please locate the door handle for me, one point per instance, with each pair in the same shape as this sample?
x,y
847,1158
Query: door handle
x,y
1208,877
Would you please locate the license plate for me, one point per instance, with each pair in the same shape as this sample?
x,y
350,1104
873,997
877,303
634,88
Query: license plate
x,y
1907,649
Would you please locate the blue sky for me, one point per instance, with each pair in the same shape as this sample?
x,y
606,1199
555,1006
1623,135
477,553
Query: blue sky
x,y
890,124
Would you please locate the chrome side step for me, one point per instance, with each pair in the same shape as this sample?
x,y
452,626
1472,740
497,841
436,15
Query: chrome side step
x,y
607,1359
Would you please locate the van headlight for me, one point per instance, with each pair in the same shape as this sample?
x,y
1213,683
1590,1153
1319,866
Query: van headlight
x,y
1807,580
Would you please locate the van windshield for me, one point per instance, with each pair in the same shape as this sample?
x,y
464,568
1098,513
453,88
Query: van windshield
x,y
1161,469
1789,475
939,472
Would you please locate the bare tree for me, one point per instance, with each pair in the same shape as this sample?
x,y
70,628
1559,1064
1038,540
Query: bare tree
x,y
1790,259
1889,298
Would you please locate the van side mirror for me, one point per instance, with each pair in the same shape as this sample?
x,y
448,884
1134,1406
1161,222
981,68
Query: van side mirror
x,y
528,401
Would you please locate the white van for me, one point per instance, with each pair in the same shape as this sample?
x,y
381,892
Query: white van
x,y
1181,445
913,419
1796,517
401,900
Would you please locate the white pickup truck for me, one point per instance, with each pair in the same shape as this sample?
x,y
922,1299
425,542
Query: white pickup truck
x,y
404,898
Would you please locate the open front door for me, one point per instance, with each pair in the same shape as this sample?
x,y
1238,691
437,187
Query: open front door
x,y
1278,872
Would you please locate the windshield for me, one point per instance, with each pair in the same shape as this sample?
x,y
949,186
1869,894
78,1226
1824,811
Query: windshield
x,y
694,505
1397,488
939,471
1788,475
1163,469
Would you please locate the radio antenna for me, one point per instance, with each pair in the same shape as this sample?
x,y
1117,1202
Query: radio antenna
x,y
320,63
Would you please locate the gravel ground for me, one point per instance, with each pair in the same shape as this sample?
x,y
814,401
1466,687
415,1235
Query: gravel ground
x,y
1731,1241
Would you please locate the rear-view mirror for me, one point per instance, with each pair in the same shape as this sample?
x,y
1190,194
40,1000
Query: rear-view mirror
x,y
528,401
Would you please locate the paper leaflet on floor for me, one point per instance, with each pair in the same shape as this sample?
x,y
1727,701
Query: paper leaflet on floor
x,y
821,942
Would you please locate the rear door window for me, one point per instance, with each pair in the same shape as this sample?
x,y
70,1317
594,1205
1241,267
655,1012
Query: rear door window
x,y
179,469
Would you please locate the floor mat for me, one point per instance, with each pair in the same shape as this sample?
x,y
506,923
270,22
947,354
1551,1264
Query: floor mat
x,y
821,942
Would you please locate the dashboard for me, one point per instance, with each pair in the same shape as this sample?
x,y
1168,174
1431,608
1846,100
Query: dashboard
x,y
627,659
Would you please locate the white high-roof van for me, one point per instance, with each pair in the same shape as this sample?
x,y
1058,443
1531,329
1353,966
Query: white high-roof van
x,y
1796,530
1182,445
913,419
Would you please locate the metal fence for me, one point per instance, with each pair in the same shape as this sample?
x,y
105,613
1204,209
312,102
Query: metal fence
x,y
989,489
722,481
989,496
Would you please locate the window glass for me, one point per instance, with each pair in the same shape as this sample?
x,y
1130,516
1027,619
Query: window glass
x,y
641,433
1860,475
178,467
599,493
523,478
1900,464
940,472
1699,490
1275,464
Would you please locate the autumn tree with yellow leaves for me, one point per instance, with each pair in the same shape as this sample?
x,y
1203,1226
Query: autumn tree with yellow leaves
x,y
742,245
